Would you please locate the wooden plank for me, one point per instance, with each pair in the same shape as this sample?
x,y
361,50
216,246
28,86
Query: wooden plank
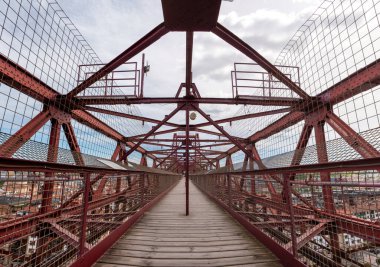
x,y
128,261
207,237
259,248
189,255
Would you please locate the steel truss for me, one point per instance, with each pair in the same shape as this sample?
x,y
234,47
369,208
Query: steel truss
x,y
270,202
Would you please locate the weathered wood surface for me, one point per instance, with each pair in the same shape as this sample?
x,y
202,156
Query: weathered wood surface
x,y
208,237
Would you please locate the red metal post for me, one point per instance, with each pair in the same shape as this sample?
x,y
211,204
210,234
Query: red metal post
x,y
47,195
142,73
187,160
302,143
73,143
328,198
189,59
289,202
86,193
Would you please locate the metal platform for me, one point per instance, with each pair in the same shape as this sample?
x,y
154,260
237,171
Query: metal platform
x,y
207,237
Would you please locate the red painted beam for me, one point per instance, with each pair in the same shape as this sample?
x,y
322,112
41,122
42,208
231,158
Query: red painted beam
x,y
73,143
357,142
201,140
301,145
14,142
123,100
246,116
128,116
189,50
358,82
47,194
17,77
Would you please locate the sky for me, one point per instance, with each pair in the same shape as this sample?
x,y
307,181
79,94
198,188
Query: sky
x,y
111,26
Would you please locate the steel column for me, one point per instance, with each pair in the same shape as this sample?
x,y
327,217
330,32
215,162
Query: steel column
x,y
189,59
187,160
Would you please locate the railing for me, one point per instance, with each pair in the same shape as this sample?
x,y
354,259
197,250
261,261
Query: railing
x,y
250,79
58,215
314,215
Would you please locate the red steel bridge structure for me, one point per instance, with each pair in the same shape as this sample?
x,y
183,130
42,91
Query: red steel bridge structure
x,y
304,182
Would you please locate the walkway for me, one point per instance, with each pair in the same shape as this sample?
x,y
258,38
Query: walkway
x,y
208,237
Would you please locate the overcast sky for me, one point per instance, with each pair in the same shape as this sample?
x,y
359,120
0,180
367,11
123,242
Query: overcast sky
x,y
110,26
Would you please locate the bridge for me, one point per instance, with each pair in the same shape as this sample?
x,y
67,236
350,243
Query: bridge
x,y
89,176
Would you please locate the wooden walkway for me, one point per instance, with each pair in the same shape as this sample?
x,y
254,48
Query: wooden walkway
x,y
208,237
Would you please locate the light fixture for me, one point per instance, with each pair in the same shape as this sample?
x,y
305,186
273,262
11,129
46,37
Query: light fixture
x,y
193,116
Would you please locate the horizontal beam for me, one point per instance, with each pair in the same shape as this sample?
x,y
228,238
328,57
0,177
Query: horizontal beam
x,y
246,116
124,100
12,164
172,140
91,121
338,166
128,116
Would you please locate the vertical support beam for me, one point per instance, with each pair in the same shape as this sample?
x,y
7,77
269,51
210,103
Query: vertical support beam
x,y
142,76
289,202
271,188
229,165
82,241
189,58
187,163
322,158
48,189
302,143
242,180
142,188
326,190
47,195
73,143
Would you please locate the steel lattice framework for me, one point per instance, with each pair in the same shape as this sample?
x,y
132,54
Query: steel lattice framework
x,y
307,137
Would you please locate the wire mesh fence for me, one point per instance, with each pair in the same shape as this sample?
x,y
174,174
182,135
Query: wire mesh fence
x,y
51,218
